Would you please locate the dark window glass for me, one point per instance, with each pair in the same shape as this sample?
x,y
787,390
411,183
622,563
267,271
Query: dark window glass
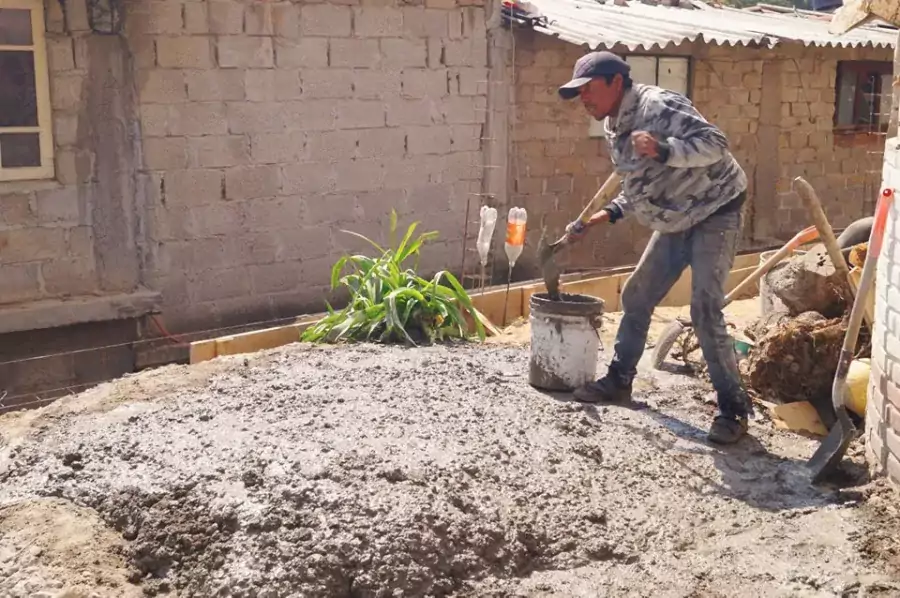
x,y
15,27
20,149
18,98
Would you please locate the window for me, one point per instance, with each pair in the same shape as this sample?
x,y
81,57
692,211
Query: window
x,y
26,143
863,95
670,72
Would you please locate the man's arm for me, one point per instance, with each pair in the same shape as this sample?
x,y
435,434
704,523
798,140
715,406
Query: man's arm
x,y
693,141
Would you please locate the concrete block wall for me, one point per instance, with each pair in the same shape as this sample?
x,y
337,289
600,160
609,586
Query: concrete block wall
x,y
882,430
266,127
49,244
775,106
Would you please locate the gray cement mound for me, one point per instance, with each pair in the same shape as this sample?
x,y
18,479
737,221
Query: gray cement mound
x,y
369,471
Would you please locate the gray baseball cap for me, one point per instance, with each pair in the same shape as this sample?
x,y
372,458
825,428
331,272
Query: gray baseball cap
x,y
590,66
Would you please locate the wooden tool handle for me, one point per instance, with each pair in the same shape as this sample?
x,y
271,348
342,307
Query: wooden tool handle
x,y
804,236
604,195
814,207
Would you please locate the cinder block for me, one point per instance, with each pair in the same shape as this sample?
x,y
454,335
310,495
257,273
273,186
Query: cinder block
x,y
165,153
250,182
153,18
354,53
378,21
471,81
428,140
218,151
308,243
382,143
154,120
16,210
465,110
258,19
304,52
198,118
217,84
436,53
264,85
66,91
245,52
143,51
312,177
466,138
226,17
196,17
255,117
331,209
471,52
331,146
193,187
161,86
69,277
278,148
359,114
58,206
74,166
30,245
328,83
311,115
424,83
270,214
286,20
60,54
425,22
405,173
401,53
79,241
20,282
215,219
65,129
220,282
325,20
275,278
187,52
404,112
376,84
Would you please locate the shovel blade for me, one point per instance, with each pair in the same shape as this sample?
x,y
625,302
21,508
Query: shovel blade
x,y
832,450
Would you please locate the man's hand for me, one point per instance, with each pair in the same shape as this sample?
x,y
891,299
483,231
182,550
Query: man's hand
x,y
645,144
577,230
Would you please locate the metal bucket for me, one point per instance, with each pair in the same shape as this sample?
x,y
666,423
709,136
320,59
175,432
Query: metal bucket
x,y
564,340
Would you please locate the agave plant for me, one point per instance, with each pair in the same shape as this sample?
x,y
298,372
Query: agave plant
x,y
391,303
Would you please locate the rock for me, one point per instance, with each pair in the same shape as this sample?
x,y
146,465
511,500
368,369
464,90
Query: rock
x,y
809,282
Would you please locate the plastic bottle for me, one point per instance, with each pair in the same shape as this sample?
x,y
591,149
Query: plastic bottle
x,y
486,232
515,234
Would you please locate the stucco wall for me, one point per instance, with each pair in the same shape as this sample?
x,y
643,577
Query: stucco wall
x,y
776,107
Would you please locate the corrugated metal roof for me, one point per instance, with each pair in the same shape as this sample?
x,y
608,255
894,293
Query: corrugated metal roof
x,y
640,26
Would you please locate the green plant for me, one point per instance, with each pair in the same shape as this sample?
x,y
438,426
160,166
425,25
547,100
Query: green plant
x,y
391,303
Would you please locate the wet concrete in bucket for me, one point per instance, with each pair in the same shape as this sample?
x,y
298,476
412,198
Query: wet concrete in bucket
x,y
370,471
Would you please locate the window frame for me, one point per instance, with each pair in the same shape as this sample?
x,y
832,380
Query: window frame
x,y
595,127
861,68
44,128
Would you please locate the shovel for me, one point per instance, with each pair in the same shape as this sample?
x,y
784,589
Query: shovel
x,y
832,450
547,253
676,327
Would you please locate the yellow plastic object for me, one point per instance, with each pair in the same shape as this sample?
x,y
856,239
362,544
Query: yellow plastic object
x,y
858,386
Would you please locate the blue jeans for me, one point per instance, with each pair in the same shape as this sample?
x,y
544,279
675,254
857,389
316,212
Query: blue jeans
x,y
709,249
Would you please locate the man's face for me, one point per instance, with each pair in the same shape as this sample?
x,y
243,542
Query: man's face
x,y
601,98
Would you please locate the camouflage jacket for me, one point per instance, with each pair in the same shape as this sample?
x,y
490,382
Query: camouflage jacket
x,y
695,174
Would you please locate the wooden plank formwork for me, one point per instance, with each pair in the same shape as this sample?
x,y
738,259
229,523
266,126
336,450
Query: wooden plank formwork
x,y
491,304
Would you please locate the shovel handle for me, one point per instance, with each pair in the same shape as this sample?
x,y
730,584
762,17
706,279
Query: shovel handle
x,y
603,195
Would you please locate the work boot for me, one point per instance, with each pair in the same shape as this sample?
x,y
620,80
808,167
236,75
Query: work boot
x,y
727,430
605,390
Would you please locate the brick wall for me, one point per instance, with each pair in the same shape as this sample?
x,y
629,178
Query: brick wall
x,y
882,431
268,126
213,150
49,246
775,106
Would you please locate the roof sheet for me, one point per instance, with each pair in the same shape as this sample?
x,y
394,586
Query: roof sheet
x,y
640,26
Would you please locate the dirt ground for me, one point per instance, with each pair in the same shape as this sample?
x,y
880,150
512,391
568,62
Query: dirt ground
x,y
370,471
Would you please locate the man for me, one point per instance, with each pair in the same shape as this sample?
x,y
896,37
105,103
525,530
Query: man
x,y
679,179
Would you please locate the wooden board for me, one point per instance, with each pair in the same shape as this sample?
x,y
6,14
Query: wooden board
x,y
491,304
